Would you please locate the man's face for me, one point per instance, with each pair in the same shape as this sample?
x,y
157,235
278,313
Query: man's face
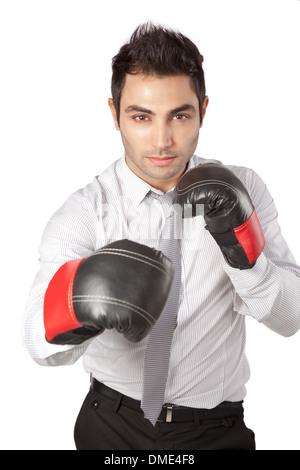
x,y
159,124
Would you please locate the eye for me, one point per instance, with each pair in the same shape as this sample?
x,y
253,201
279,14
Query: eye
x,y
180,117
140,117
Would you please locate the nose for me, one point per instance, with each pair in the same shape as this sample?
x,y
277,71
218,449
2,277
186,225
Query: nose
x,y
161,135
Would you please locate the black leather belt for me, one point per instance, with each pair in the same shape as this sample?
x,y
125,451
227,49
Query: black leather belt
x,y
170,412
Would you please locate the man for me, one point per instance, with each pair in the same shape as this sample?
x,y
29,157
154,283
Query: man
x,y
106,281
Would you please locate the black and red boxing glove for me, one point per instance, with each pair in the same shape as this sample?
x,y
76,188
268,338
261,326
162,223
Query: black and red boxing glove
x,y
228,211
124,285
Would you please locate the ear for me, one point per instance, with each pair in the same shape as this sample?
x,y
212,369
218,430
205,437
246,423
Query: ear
x,y
114,113
204,108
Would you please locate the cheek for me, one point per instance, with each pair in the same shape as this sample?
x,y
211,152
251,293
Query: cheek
x,y
134,141
134,132
187,136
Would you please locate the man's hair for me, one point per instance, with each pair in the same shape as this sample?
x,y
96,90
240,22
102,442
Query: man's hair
x,y
154,50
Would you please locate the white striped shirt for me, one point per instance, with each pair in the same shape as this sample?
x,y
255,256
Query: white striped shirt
x,y
208,363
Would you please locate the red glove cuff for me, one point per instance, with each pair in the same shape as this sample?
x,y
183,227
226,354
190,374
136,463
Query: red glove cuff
x,y
59,315
251,236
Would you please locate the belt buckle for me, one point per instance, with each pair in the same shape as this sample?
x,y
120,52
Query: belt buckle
x,y
169,412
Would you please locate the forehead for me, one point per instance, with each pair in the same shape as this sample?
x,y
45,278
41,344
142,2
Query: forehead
x,y
155,92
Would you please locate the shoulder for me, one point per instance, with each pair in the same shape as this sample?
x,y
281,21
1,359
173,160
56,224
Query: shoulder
x,y
97,190
254,184
83,205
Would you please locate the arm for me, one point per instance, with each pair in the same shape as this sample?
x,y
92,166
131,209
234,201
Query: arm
x,y
270,291
262,270
81,291
70,234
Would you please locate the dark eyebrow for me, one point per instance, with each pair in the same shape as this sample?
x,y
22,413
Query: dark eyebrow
x,y
139,109
184,107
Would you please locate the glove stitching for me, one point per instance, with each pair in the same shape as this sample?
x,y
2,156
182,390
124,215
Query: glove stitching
x,y
113,252
70,291
112,300
120,250
202,183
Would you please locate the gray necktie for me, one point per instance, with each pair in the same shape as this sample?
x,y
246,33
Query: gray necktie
x,y
160,338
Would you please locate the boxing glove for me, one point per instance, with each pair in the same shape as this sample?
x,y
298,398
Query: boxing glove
x,y
123,285
228,211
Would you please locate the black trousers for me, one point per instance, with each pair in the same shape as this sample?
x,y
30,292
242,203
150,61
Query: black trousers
x,y
109,420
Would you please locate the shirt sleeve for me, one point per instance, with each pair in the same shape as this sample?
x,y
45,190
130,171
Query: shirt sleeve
x,y
70,234
270,291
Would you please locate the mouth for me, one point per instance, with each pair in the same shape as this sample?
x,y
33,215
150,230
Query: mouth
x,y
162,161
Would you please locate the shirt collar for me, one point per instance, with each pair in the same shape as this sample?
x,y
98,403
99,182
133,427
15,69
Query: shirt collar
x,y
136,188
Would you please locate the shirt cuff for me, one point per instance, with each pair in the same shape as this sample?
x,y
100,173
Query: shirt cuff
x,y
245,279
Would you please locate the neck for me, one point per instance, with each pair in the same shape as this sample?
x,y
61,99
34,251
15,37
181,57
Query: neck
x,y
163,185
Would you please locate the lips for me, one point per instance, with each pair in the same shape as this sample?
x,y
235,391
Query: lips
x,y
161,161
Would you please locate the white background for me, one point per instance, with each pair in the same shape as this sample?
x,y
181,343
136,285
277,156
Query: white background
x,y
57,133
